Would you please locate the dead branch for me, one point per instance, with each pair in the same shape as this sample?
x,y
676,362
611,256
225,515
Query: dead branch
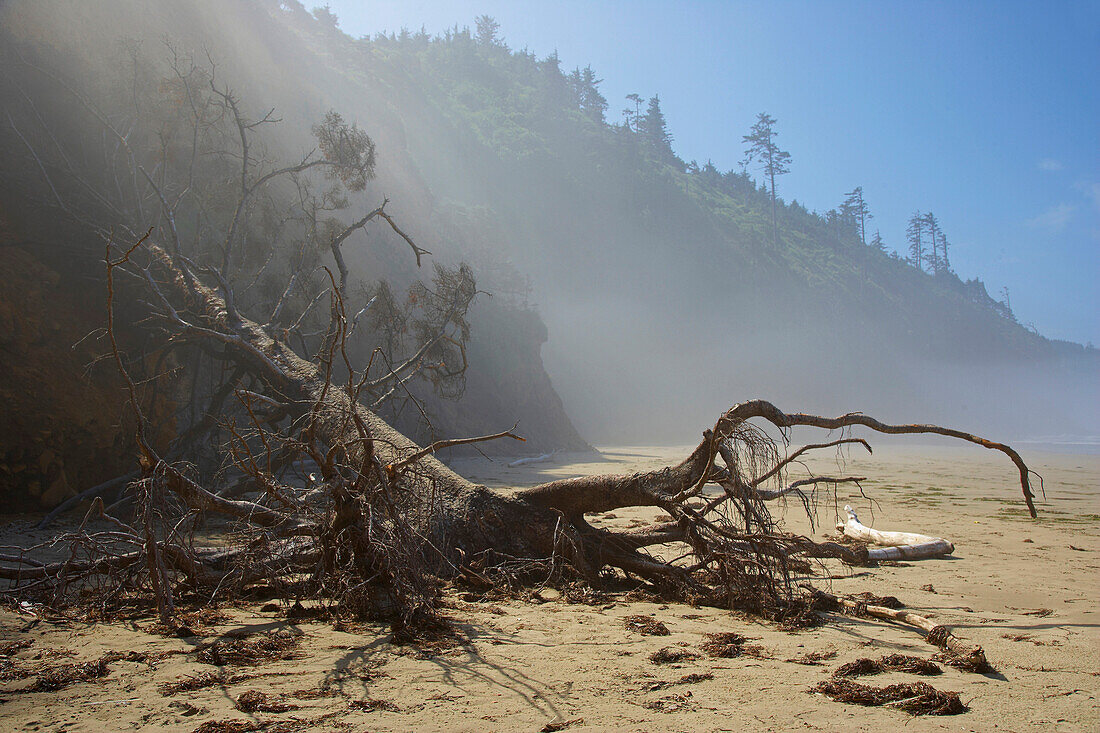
x,y
769,412
971,656
441,444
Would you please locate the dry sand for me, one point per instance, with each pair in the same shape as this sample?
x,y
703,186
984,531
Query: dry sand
x,y
1025,590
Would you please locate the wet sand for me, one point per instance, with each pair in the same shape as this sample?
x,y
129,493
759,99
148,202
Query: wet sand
x,y
1026,590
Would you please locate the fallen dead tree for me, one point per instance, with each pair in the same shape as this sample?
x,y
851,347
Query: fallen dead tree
x,y
893,545
390,514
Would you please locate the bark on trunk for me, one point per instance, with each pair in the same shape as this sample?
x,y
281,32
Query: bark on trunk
x,y
459,514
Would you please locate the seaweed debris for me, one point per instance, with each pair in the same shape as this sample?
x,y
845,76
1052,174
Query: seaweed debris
x,y
889,663
916,698
645,625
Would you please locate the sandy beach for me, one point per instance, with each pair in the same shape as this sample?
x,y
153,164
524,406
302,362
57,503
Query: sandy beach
x,y
1026,590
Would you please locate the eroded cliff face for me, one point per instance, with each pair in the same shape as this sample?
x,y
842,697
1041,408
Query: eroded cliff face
x,y
506,385
61,411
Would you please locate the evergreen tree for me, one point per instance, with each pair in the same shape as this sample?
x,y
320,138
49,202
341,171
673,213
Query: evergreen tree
x,y
586,92
1006,305
877,243
555,87
855,209
573,79
914,234
486,31
773,161
835,221
935,235
326,17
632,115
710,173
653,127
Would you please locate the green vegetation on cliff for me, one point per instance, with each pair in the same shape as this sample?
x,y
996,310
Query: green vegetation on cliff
x,y
676,264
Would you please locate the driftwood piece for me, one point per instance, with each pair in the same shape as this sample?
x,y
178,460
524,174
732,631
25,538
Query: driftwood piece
x,y
533,459
894,545
960,654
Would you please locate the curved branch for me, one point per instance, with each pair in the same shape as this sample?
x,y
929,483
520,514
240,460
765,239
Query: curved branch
x,y
766,495
812,446
197,497
767,411
441,444
417,250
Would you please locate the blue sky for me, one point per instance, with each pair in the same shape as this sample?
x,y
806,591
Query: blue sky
x,y
986,113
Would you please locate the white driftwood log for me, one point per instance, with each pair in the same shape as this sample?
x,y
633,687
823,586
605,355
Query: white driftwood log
x,y
894,545
533,459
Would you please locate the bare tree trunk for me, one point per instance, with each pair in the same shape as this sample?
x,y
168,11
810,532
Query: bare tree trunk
x,y
461,517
